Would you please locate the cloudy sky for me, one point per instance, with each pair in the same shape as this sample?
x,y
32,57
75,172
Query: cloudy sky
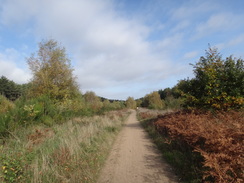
x,y
120,48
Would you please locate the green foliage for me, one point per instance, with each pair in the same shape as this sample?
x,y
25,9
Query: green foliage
x,y
218,83
11,168
4,121
153,101
5,116
115,105
10,89
130,103
139,102
25,112
31,110
173,103
43,109
112,105
92,101
169,92
5,105
107,104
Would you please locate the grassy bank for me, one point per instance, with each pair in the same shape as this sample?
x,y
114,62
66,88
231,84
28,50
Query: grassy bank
x,y
70,152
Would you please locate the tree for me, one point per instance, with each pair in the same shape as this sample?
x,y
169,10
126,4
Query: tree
x,y
52,72
218,83
92,100
139,102
9,89
107,104
130,103
169,92
153,101
118,104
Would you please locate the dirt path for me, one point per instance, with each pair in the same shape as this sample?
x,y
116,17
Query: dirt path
x,y
134,158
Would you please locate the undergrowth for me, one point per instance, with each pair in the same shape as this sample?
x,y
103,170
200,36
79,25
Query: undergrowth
x,y
69,152
181,158
202,146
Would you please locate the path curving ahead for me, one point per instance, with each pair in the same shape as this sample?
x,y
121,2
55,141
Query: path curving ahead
x,y
135,159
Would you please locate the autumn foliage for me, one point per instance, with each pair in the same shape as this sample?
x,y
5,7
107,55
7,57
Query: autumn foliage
x,y
52,72
218,83
130,103
217,137
153,101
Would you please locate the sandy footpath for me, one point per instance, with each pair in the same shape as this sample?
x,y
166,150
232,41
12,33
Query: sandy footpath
x,y
135,159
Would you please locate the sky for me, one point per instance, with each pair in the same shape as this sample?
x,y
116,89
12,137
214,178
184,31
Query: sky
x,y
120,48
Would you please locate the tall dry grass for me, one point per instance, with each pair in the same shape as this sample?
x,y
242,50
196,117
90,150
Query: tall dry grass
x,y
71,152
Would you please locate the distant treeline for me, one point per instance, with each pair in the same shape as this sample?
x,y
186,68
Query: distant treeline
x,y
12,90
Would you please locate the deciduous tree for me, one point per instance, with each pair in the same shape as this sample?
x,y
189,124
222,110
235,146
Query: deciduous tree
x,y
52,72
130,103
153,101
218,83
92,100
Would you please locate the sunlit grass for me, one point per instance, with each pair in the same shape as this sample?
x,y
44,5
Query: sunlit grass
x,y
70,152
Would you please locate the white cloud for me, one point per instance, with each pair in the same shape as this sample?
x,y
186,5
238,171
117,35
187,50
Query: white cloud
x,y
181,26
220,22
111,52
191,54
192,9
10,69
108,50
170,43
17,12
237,40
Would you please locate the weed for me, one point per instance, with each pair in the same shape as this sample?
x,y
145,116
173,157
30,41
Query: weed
x,y
12,168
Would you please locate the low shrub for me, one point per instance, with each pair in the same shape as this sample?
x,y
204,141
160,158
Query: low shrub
x,y
217,137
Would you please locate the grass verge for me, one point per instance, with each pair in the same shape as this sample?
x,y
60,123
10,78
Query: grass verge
x,y
70,152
